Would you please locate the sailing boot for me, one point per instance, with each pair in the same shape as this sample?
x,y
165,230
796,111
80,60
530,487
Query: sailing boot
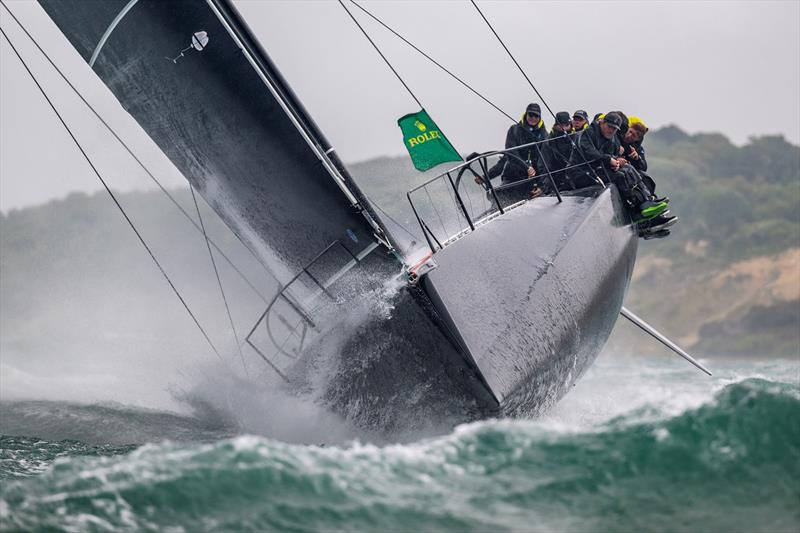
x,y
663,221
648,210
656,235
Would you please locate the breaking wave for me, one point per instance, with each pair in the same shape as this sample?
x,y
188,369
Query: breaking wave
x,y
731,463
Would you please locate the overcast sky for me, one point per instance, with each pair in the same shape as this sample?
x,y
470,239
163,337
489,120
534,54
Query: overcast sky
x,y
731,67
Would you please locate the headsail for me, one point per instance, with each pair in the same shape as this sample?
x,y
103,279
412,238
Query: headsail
x,y
191,74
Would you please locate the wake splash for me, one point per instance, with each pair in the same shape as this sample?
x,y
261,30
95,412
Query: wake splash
x,y
347,384
732,463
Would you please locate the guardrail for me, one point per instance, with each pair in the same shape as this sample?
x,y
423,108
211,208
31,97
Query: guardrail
x,y
490,198
302,296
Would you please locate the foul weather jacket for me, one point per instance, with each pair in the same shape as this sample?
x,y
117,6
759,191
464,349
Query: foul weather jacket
x,y
593,147
556,152
521,133
641,163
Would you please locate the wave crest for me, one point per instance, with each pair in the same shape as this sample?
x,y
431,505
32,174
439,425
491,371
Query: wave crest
x,y
732,463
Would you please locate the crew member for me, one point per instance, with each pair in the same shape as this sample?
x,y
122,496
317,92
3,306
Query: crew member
x,y
598,157
634,153
632,147
521,164
580,120
557,150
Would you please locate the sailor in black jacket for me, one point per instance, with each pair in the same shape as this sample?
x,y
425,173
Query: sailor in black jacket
x,y
580,120
598,146
633,150
528,130
557,150
598,154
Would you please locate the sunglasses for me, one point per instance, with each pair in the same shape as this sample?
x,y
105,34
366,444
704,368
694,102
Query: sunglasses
x,y
533,115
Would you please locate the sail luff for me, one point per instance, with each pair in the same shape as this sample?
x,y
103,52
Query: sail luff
x,y
282,91
263,72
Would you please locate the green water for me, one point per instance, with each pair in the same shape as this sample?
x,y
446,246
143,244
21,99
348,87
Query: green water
x,y
656,449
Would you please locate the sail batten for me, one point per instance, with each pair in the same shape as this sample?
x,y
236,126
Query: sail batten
x,y
110,29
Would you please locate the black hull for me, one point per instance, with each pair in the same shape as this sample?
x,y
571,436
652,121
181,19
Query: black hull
x,y
532,296
514,313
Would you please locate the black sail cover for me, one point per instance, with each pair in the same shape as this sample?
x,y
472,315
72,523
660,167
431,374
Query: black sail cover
x,y
191,74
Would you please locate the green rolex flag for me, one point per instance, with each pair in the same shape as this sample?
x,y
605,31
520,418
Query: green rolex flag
x,y
426,144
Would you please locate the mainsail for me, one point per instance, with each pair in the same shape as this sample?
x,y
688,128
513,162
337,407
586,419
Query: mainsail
x,y
193,77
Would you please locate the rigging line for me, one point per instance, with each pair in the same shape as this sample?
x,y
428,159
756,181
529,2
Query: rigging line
x,y
341,3
389,217
429,58
441,221
469,199
219,281
459,214
514,60
114,198
138,161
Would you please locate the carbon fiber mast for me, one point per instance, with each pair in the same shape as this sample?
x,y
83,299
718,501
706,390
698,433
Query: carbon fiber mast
x,y
234,22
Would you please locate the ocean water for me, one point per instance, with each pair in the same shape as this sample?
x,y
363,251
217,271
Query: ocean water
x,y
638,445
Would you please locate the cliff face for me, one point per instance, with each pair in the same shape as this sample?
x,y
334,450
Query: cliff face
x,y
727,281
750,307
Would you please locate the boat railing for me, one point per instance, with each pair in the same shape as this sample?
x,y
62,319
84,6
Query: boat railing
x,y
288,317
448,208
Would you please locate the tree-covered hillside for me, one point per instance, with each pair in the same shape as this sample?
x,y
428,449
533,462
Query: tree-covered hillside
x,y
726,282
741,201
